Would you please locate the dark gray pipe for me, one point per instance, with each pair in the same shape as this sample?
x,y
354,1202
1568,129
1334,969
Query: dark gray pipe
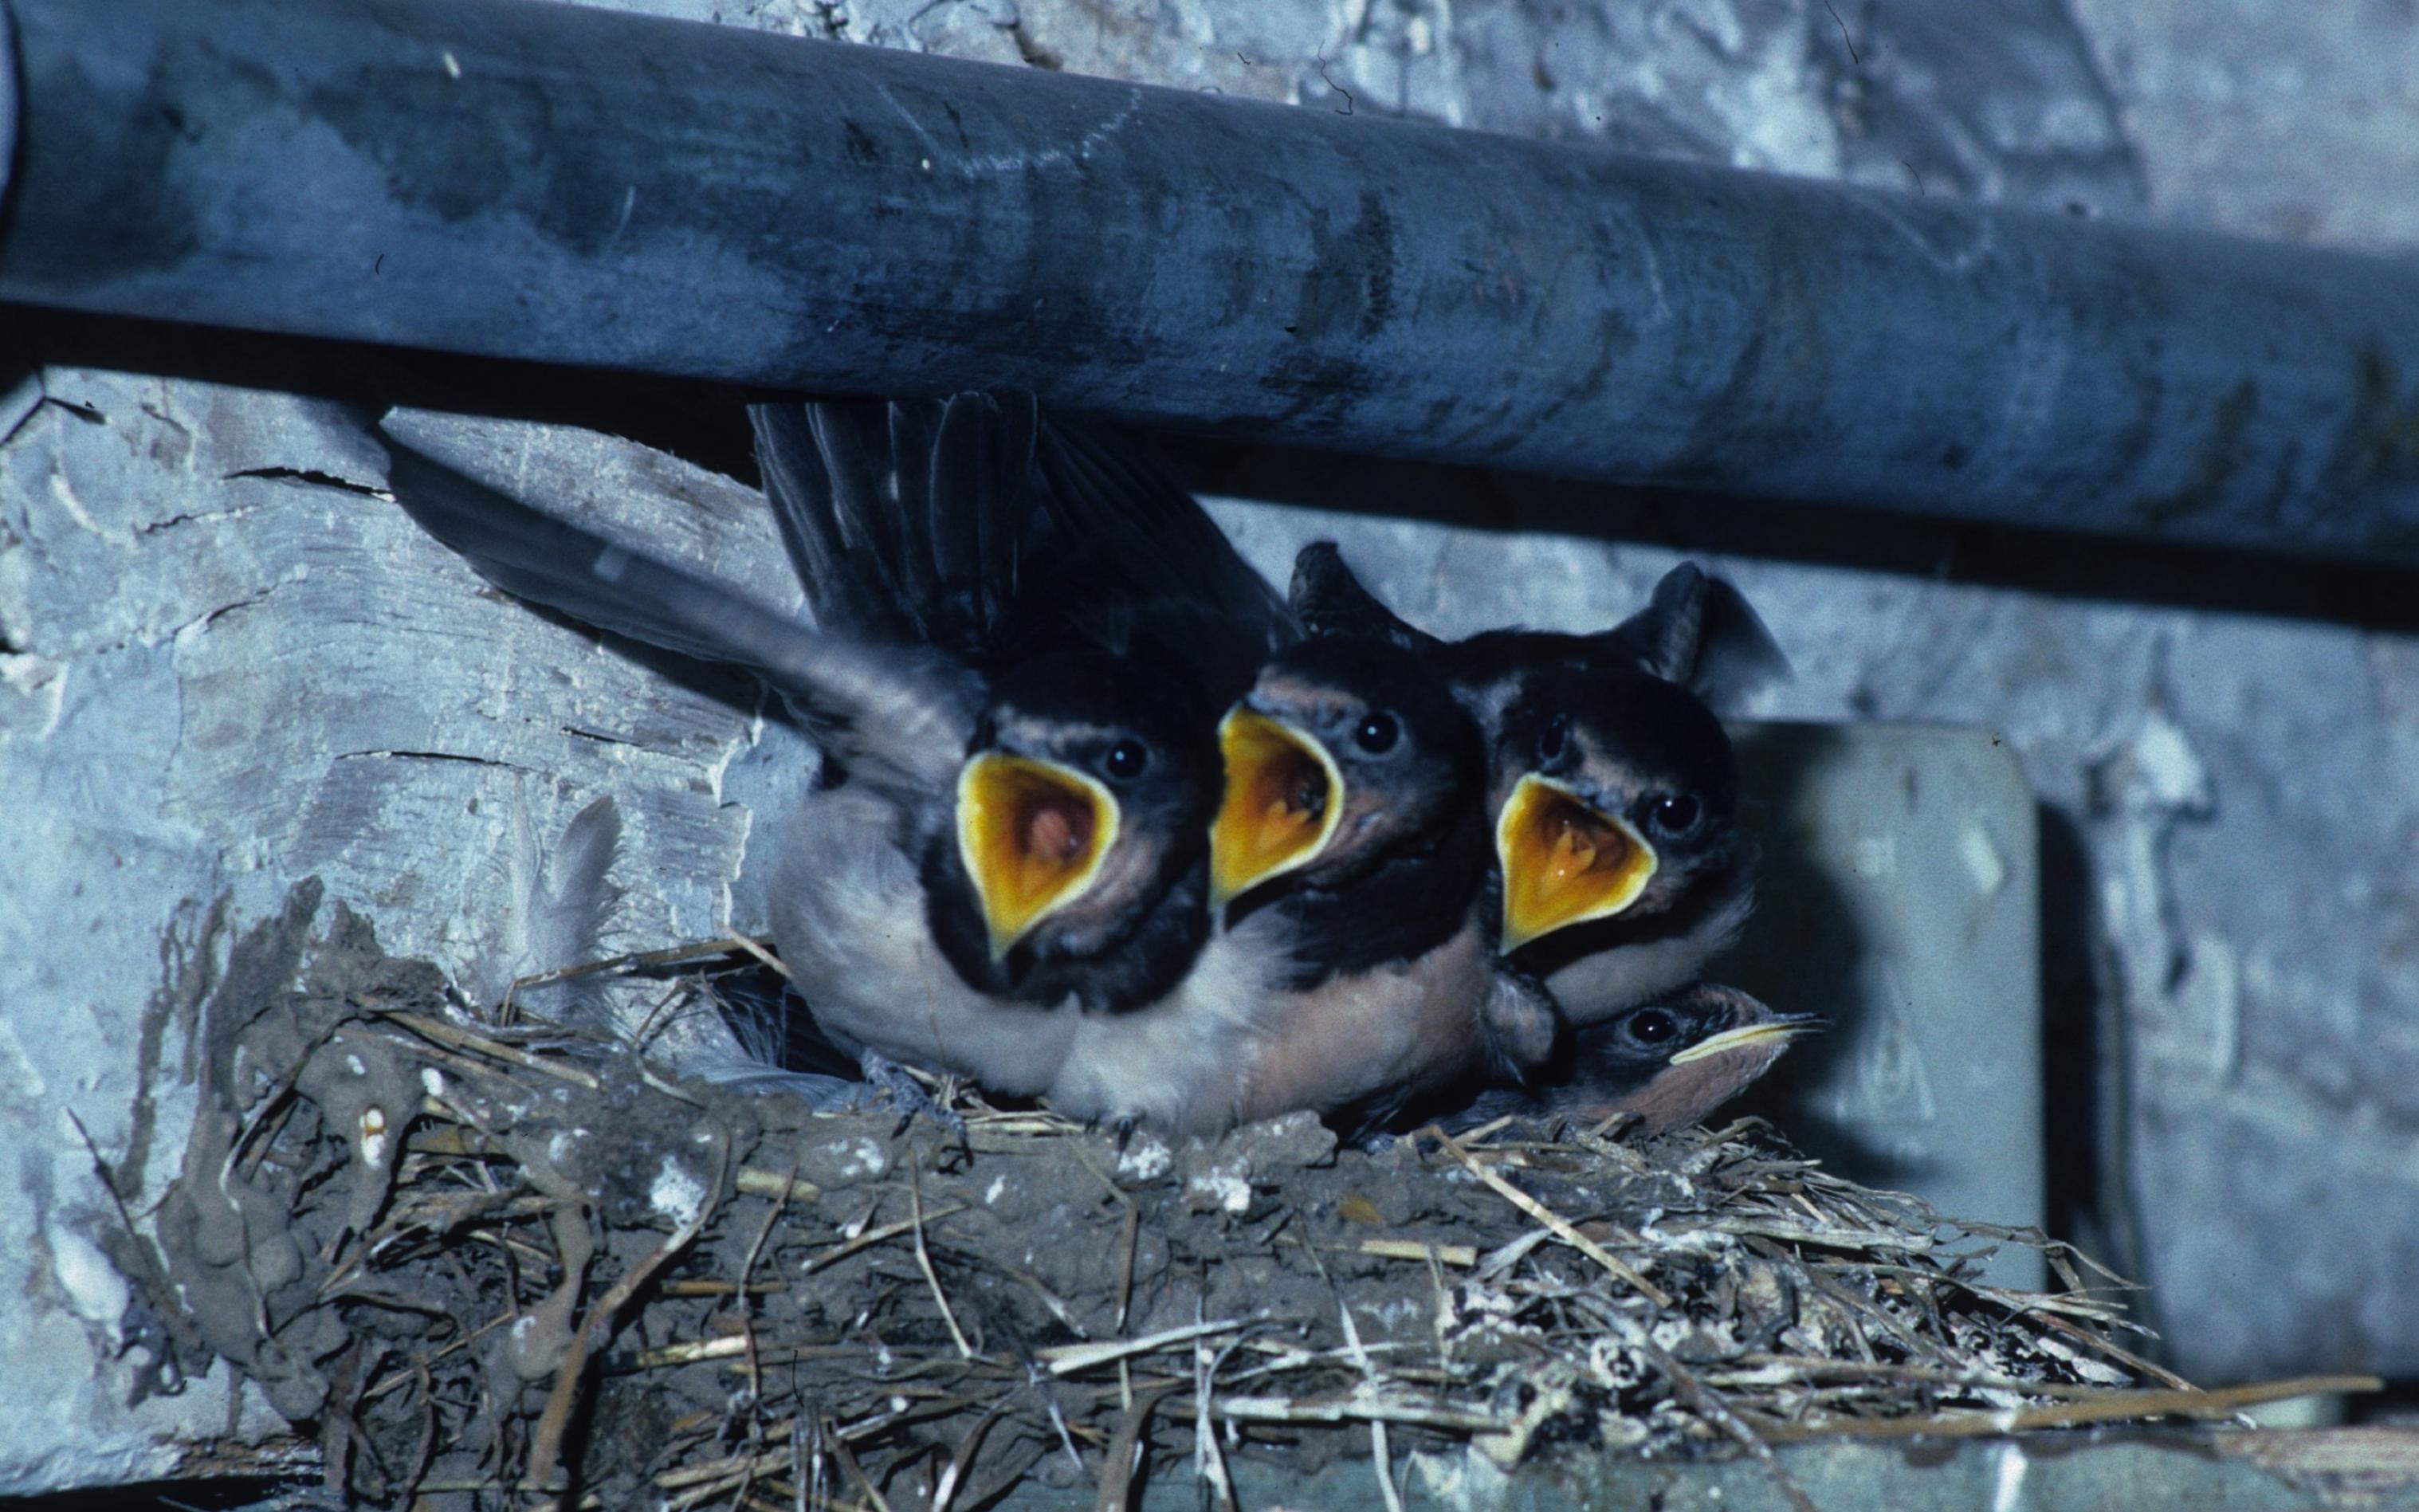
x,y
543,181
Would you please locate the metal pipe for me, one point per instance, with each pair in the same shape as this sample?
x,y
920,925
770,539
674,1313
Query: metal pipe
x,y
8,98
546,181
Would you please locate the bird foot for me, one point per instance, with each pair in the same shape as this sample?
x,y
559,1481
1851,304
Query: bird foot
x,y
908,1097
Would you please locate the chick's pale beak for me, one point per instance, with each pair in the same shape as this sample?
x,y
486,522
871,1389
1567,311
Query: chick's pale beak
x,y
1282,803
1782,1029
1565,861
1032,834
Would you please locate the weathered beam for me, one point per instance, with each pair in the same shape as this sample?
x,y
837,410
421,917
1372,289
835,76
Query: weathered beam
x,y
545,181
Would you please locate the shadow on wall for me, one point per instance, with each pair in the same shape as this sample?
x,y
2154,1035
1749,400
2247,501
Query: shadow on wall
x,y
1803,952
2083,1058
704,424
1900,899
2104,568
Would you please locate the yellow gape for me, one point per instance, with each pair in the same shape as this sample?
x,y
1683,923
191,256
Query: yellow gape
x,y
1565,861
1283,802
1032,834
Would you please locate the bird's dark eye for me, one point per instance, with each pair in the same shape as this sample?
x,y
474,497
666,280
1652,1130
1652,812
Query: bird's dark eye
x,y
1675,813
1126,760
1378,734
1653,1026
1553,738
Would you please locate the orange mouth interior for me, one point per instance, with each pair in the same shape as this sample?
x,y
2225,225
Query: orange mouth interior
x,y
1283,802
1565,861
1032,835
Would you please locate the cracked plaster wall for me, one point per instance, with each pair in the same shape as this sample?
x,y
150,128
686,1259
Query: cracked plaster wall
x,y
225,663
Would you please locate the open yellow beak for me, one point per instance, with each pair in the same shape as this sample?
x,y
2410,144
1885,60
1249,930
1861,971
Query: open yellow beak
x,y
1783,1030
1032,834
1282,803
1565,861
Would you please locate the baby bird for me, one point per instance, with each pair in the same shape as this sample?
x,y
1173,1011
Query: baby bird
x,y
1667,1064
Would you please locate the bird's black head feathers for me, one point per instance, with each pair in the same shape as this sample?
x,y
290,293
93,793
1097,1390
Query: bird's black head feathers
x,y
1632,745
1631,739
1408,856
1697,631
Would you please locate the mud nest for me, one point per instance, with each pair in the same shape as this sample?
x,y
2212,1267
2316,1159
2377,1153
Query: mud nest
x,y
488,1265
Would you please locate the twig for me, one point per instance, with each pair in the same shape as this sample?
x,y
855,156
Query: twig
x,y
875,1236
1381,1451
2118,1353
757,948
963,1461
546,1444
446,1033
1709,1404
2115,1406
1563,1228
1066,1359
642,960
847,1458
1124,1458
1459,1256
924,1263
1208,1460
746,1267
1358,1409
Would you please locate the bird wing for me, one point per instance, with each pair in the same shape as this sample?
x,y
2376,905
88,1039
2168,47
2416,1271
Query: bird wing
x,y
907,520
905,710
1116,556
1155,545
976,525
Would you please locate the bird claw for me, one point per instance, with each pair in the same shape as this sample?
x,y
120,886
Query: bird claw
x,y
908,1095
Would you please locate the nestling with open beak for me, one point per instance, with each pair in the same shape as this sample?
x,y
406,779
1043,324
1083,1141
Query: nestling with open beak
x,y
1625,870
1668,1063
1016,704
1356,967
1612,786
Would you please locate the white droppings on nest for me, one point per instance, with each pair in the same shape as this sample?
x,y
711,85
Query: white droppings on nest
x,y
1144,1158
373,1137
558,1144
1222,1187
864,1159
432,1081
1399,1312
991,1193
676,1193
353,1064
